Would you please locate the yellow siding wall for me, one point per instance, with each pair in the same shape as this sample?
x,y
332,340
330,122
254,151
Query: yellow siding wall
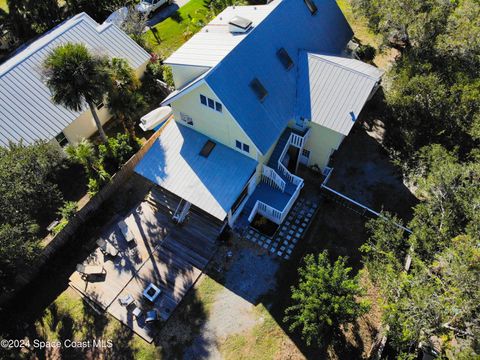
x,y
321,143
84,126
220,127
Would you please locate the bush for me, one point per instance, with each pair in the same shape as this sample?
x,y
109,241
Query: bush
x,y
366,52
150,89
68,210
120,150
93,186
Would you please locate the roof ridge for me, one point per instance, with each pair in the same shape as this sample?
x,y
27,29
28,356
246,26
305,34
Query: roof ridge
x,y
321,58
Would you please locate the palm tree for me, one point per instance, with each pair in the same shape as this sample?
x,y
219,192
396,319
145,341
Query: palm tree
x,y
83,153
75,77
124,100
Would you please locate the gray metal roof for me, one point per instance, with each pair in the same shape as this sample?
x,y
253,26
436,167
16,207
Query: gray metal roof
x,y
211,183
332,90
26,110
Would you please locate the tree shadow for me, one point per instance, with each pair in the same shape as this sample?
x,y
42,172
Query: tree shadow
x,y
177,17
184,336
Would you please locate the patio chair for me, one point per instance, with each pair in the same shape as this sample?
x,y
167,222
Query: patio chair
x,y
137,312
126,300
107,247
125,231
90,269
151,317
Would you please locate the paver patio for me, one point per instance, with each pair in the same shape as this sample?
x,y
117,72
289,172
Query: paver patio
x,y
290,231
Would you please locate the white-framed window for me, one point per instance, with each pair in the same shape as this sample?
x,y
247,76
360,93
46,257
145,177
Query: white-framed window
x,y
306,153
242,146
61,139
186,119
212,104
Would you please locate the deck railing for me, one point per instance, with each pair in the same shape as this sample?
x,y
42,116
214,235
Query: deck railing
x,y
271,177
267,211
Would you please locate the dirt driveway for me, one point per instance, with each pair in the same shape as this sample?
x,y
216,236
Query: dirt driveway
x,y
250,275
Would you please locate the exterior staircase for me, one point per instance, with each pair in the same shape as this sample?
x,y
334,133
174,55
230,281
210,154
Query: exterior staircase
x,y
276,193
282,142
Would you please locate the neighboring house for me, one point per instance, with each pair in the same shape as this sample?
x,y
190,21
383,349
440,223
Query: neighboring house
x,y
27,112
260,89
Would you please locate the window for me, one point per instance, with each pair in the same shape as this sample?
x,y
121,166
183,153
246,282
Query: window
x,y
306,153
100,105
61,139
212,104
284,58
186,119
311,6
242,146
258,89
207,148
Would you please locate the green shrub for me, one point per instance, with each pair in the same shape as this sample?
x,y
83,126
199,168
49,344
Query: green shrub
x,y
120,150
366,52
68,210
93,186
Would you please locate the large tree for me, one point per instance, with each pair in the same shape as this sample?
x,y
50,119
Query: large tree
x,y
27,182
31,17
29,196
325,298
77,77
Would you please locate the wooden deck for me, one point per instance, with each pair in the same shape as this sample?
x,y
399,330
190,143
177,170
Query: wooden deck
x,y
170,256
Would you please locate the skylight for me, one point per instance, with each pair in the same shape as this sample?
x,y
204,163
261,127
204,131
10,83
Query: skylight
x,y
207,148
258,89
284,58
311,6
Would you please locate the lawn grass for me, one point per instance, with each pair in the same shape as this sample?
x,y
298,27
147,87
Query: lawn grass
x,y
207,290
170,34
265,341
69,317
3,5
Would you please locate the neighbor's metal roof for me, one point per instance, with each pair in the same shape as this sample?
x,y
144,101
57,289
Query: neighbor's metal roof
x,y
212,183
332,90
26,110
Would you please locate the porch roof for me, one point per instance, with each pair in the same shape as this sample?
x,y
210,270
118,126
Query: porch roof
x,y
211,183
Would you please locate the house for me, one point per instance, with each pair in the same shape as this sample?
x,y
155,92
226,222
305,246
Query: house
x,y
27,112
259,90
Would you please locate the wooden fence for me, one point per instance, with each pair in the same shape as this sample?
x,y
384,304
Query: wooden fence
x,y
83,215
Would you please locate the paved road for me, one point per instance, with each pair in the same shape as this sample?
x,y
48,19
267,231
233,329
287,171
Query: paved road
x,y
165,12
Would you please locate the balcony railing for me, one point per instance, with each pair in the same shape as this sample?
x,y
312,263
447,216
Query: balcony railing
x,y
271,177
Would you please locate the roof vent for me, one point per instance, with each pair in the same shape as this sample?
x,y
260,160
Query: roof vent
x,y
239,25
